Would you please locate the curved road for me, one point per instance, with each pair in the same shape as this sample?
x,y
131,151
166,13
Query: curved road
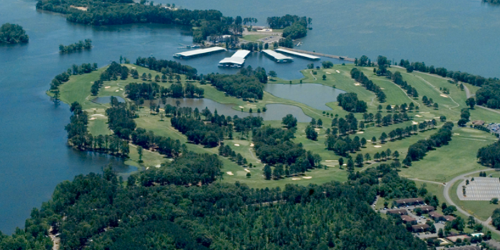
x,y
446,194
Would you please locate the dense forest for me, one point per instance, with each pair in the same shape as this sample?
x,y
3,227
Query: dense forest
x,y
489,94
293,27
490,155
350,102
167,67
78,46
12,34
94,12
247,84
100,212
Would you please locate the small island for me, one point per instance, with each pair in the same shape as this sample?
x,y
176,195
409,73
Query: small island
x,y
76,47
13,34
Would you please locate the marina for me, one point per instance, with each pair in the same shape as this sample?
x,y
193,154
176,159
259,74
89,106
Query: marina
x,y
290,52
236,60
278,57
198,52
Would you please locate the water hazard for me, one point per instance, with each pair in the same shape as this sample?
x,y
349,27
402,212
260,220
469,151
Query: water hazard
x,y
313,95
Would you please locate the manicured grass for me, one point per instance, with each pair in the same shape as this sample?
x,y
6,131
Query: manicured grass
x,y
254,38
99,127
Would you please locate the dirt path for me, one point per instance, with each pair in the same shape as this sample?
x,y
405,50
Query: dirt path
x,y
433,182
313,75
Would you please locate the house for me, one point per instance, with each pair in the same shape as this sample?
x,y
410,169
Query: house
x,y
409,202
436,216
427,209
420,228
407,219
449,218
398,211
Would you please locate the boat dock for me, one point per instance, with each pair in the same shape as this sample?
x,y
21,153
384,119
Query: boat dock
x,y
278,57
291,52
236,60
198,52
345,58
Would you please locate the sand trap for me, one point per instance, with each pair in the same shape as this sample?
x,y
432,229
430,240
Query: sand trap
x,y
443,95
147,168
117,90
381,88
230,173
328,73
237,145
295,179
241,107
317,129
369,140
91,119
98,115
338,71
162,110
133,67
121,89
456,134
360,132
107,87
418,115
78,8
377,146
330,160
345,164
247,170
414,123
357,84
158,166
307,177
251,145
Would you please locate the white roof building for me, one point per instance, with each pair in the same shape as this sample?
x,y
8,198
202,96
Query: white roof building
x,y
278,56
236,60
298,54
197,52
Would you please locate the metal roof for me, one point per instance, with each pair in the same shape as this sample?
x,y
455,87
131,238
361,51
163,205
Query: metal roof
x,y
198,52
298,54
237,58
277,55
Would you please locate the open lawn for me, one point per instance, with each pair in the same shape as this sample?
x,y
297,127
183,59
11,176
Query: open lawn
x,y
481,209
254,37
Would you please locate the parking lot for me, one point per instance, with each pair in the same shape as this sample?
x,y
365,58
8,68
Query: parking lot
x,y
481,189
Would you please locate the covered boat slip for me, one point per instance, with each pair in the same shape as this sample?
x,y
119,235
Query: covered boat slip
x,y
198,52
236,60
290,52
278,57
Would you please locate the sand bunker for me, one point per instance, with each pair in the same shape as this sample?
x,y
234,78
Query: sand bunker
x,y
107,87
117,90
414,123
247,170
307,177
237,145
418,115
98,115
230,173
377,146
345,164
381,88
357,84
91,119
456,134
295,179
241,107
251,145
317,129
443,95
338,71
360,132
158,166
328,73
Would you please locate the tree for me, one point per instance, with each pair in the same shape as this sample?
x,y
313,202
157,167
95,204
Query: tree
x,y
350,165
311,134
139,151
494,201
324,77
359,160
55,97
436,106
395,155
320,123
440,233
471,102
341,162
471,222
289,121
272,73
449,210
267,172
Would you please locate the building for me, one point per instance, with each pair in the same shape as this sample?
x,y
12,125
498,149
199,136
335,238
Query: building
x,y
291,52
436,216
409,202
236,60
427,209
407,219
398,211
278,57
420,228
198,52
478,123
449,218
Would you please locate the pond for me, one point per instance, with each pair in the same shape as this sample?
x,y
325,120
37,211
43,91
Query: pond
x,y
107,99
275,112
311,94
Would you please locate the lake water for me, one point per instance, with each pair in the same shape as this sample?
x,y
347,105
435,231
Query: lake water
x,y
460,35
274,112
313,95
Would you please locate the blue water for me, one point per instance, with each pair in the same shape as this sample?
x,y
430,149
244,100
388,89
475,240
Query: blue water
x,y
313,95
460,35
107,99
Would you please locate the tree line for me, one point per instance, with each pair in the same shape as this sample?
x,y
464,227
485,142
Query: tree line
x,y
78,46
293,27
98,13
149,91
397,78
350,102
247,84
490,155
368,84
13,34
167,67
418,150
100,211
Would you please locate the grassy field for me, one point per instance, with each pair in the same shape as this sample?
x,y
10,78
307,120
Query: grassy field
x,y
254,38
480,209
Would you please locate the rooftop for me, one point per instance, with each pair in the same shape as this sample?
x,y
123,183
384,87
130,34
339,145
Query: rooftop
x,y
276,55
298,54
198,52
407,218
236,58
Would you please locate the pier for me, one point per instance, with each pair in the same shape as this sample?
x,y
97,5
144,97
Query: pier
x,y
236,60
291,52
280,58
345,58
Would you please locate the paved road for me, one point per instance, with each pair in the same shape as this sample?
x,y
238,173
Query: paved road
x,y
446,194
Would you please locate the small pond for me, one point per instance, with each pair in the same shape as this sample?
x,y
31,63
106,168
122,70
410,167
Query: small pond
x,y
310,94
107,99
